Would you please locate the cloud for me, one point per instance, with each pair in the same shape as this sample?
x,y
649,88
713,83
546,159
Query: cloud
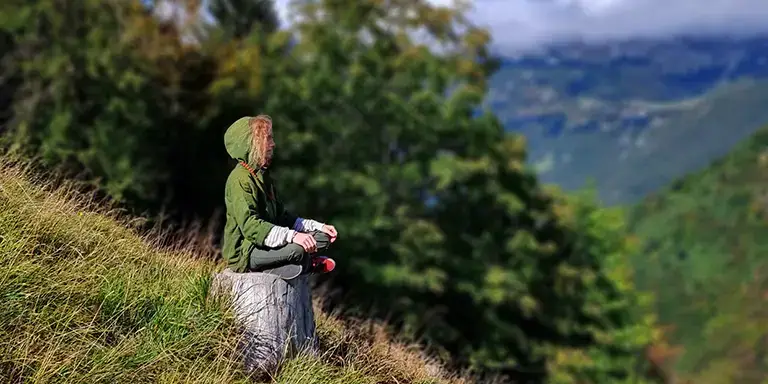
x,y
525,23
517,24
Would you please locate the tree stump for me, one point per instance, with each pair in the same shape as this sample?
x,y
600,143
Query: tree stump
x,y
276,316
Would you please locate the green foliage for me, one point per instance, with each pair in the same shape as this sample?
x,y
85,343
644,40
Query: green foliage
x,y
704,257
82,88
108,90
442,226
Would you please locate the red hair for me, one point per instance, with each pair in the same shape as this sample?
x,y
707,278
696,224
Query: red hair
x,y
261,127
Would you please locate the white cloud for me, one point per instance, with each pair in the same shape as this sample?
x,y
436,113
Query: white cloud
x,y
519,23
524,23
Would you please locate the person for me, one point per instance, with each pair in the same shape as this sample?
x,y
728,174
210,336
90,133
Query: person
x,y
260,234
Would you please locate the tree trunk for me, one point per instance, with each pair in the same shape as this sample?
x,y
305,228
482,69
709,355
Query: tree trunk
x,y
276,316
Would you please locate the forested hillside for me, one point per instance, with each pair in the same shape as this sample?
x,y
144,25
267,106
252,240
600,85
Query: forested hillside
x,y
704,255
443,228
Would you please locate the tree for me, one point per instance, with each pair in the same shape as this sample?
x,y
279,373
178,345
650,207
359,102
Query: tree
x,y
443,227
116,95
82,90
379,130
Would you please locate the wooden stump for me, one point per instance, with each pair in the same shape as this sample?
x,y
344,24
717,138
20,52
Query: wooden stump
x,y
276,315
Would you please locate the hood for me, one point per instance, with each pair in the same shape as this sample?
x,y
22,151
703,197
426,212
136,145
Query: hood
x,y
237,139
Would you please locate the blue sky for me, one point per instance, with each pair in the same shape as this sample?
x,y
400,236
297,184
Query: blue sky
x,y
517,24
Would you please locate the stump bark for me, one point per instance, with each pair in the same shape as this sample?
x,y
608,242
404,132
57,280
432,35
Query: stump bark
x,y
276,315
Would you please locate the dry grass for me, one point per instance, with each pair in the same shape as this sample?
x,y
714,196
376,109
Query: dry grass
x,y
83,298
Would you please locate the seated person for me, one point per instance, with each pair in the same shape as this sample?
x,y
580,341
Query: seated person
x,y
260,235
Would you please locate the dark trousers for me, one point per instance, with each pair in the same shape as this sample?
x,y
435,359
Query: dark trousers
x,y
265,258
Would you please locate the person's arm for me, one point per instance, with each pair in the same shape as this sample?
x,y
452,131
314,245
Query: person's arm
x,y
279,236
242,205
307,225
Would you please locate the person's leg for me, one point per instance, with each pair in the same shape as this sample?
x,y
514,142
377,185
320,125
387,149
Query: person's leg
x,y
261,259
322,239
320,263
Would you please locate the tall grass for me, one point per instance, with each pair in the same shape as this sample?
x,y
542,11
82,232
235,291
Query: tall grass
x,y
84,299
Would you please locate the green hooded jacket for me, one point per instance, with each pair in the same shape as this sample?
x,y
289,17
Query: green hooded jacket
x,y
251,201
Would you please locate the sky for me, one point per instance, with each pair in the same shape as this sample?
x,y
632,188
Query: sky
x,y
520,24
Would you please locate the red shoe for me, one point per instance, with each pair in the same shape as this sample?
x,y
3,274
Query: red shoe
x,y
322,264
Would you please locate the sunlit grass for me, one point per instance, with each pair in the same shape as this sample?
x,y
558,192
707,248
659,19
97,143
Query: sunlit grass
x,y
84,298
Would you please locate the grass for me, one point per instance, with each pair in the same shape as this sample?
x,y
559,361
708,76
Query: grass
x,y
85,298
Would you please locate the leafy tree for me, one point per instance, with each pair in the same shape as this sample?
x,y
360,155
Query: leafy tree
x,y
443,227
115,95
379,133
81,92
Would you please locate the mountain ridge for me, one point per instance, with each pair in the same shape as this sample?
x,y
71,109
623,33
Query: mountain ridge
x,y
584,107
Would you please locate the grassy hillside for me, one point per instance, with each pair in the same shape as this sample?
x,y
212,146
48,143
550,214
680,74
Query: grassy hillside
x,y
706,257
84,299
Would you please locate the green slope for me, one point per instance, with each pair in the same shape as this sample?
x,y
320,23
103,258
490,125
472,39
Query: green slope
x,y
706,257
83,299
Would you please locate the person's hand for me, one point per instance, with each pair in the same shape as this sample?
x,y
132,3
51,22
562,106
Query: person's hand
x,y
306,241
330,230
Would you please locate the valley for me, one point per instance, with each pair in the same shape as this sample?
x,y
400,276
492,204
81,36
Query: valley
x,y
632,116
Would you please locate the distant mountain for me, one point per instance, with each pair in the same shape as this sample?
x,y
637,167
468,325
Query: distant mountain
x,y
633,115
672,130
